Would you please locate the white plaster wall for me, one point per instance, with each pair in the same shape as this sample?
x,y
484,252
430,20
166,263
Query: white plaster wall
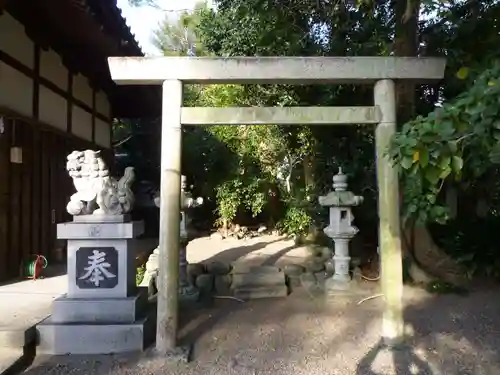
x,y
82,90
52,109
15,42
102,134
102,104
81,124
16,90
53,69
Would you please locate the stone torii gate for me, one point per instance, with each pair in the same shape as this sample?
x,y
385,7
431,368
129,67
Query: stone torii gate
x,y
172,72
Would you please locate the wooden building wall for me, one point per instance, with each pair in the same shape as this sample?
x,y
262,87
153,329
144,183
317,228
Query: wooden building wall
x,y
47,111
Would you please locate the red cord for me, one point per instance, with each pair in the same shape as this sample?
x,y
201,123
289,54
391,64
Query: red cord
x,y
38,267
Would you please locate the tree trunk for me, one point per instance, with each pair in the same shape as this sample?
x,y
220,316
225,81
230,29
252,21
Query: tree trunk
x,y
274,205
308,166
406,45
428,261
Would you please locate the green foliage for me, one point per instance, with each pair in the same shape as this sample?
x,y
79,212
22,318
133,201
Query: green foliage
x,y
459,140
180,38
296,221
139,275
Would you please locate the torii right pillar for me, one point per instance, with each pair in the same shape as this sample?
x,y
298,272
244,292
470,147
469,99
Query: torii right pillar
x,y
389,222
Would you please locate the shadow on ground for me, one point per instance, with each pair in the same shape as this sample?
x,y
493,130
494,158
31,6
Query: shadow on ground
x,y
235,253
323,336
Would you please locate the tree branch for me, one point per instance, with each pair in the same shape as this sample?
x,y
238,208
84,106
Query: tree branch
x,y
119,143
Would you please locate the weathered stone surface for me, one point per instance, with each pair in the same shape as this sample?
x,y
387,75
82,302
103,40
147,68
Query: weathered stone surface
x,y
85,230
97,192
194,270
293,282
279,115
308,280
250,282
98,310
315,265
189,297
152,263
311,285
222,284
205,283
243,268
294,270
258,279
88,338
148,71
330,266
320,276
325,253
262,292
218,268
216,236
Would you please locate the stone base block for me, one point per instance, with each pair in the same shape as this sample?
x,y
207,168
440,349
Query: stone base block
x,y
87,230
335,284
93,338
180,354
335,287
102,218
275,291
244,268
95,310
258,279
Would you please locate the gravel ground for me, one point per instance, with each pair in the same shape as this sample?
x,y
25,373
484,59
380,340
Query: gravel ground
x,y
301,336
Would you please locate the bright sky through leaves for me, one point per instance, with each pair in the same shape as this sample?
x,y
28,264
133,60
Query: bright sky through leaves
x,y
143,20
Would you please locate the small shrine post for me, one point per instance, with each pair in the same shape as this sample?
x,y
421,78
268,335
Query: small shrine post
x,y
172,72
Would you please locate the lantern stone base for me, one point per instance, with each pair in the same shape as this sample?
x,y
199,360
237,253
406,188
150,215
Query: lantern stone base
x,y
336,283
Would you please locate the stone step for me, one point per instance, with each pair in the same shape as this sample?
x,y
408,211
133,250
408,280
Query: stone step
x,y
244,268
241,280
120,310
276,291
94,338
9,358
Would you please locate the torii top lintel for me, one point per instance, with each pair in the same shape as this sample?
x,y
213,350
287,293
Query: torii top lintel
x,y
298,70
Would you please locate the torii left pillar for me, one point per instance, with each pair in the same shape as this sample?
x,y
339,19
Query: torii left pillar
x,y
169,241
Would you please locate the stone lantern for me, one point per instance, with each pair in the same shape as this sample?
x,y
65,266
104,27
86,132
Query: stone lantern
x,y
340,229
187,291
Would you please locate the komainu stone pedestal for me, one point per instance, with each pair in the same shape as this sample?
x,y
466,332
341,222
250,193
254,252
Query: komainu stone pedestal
x,y
102,312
